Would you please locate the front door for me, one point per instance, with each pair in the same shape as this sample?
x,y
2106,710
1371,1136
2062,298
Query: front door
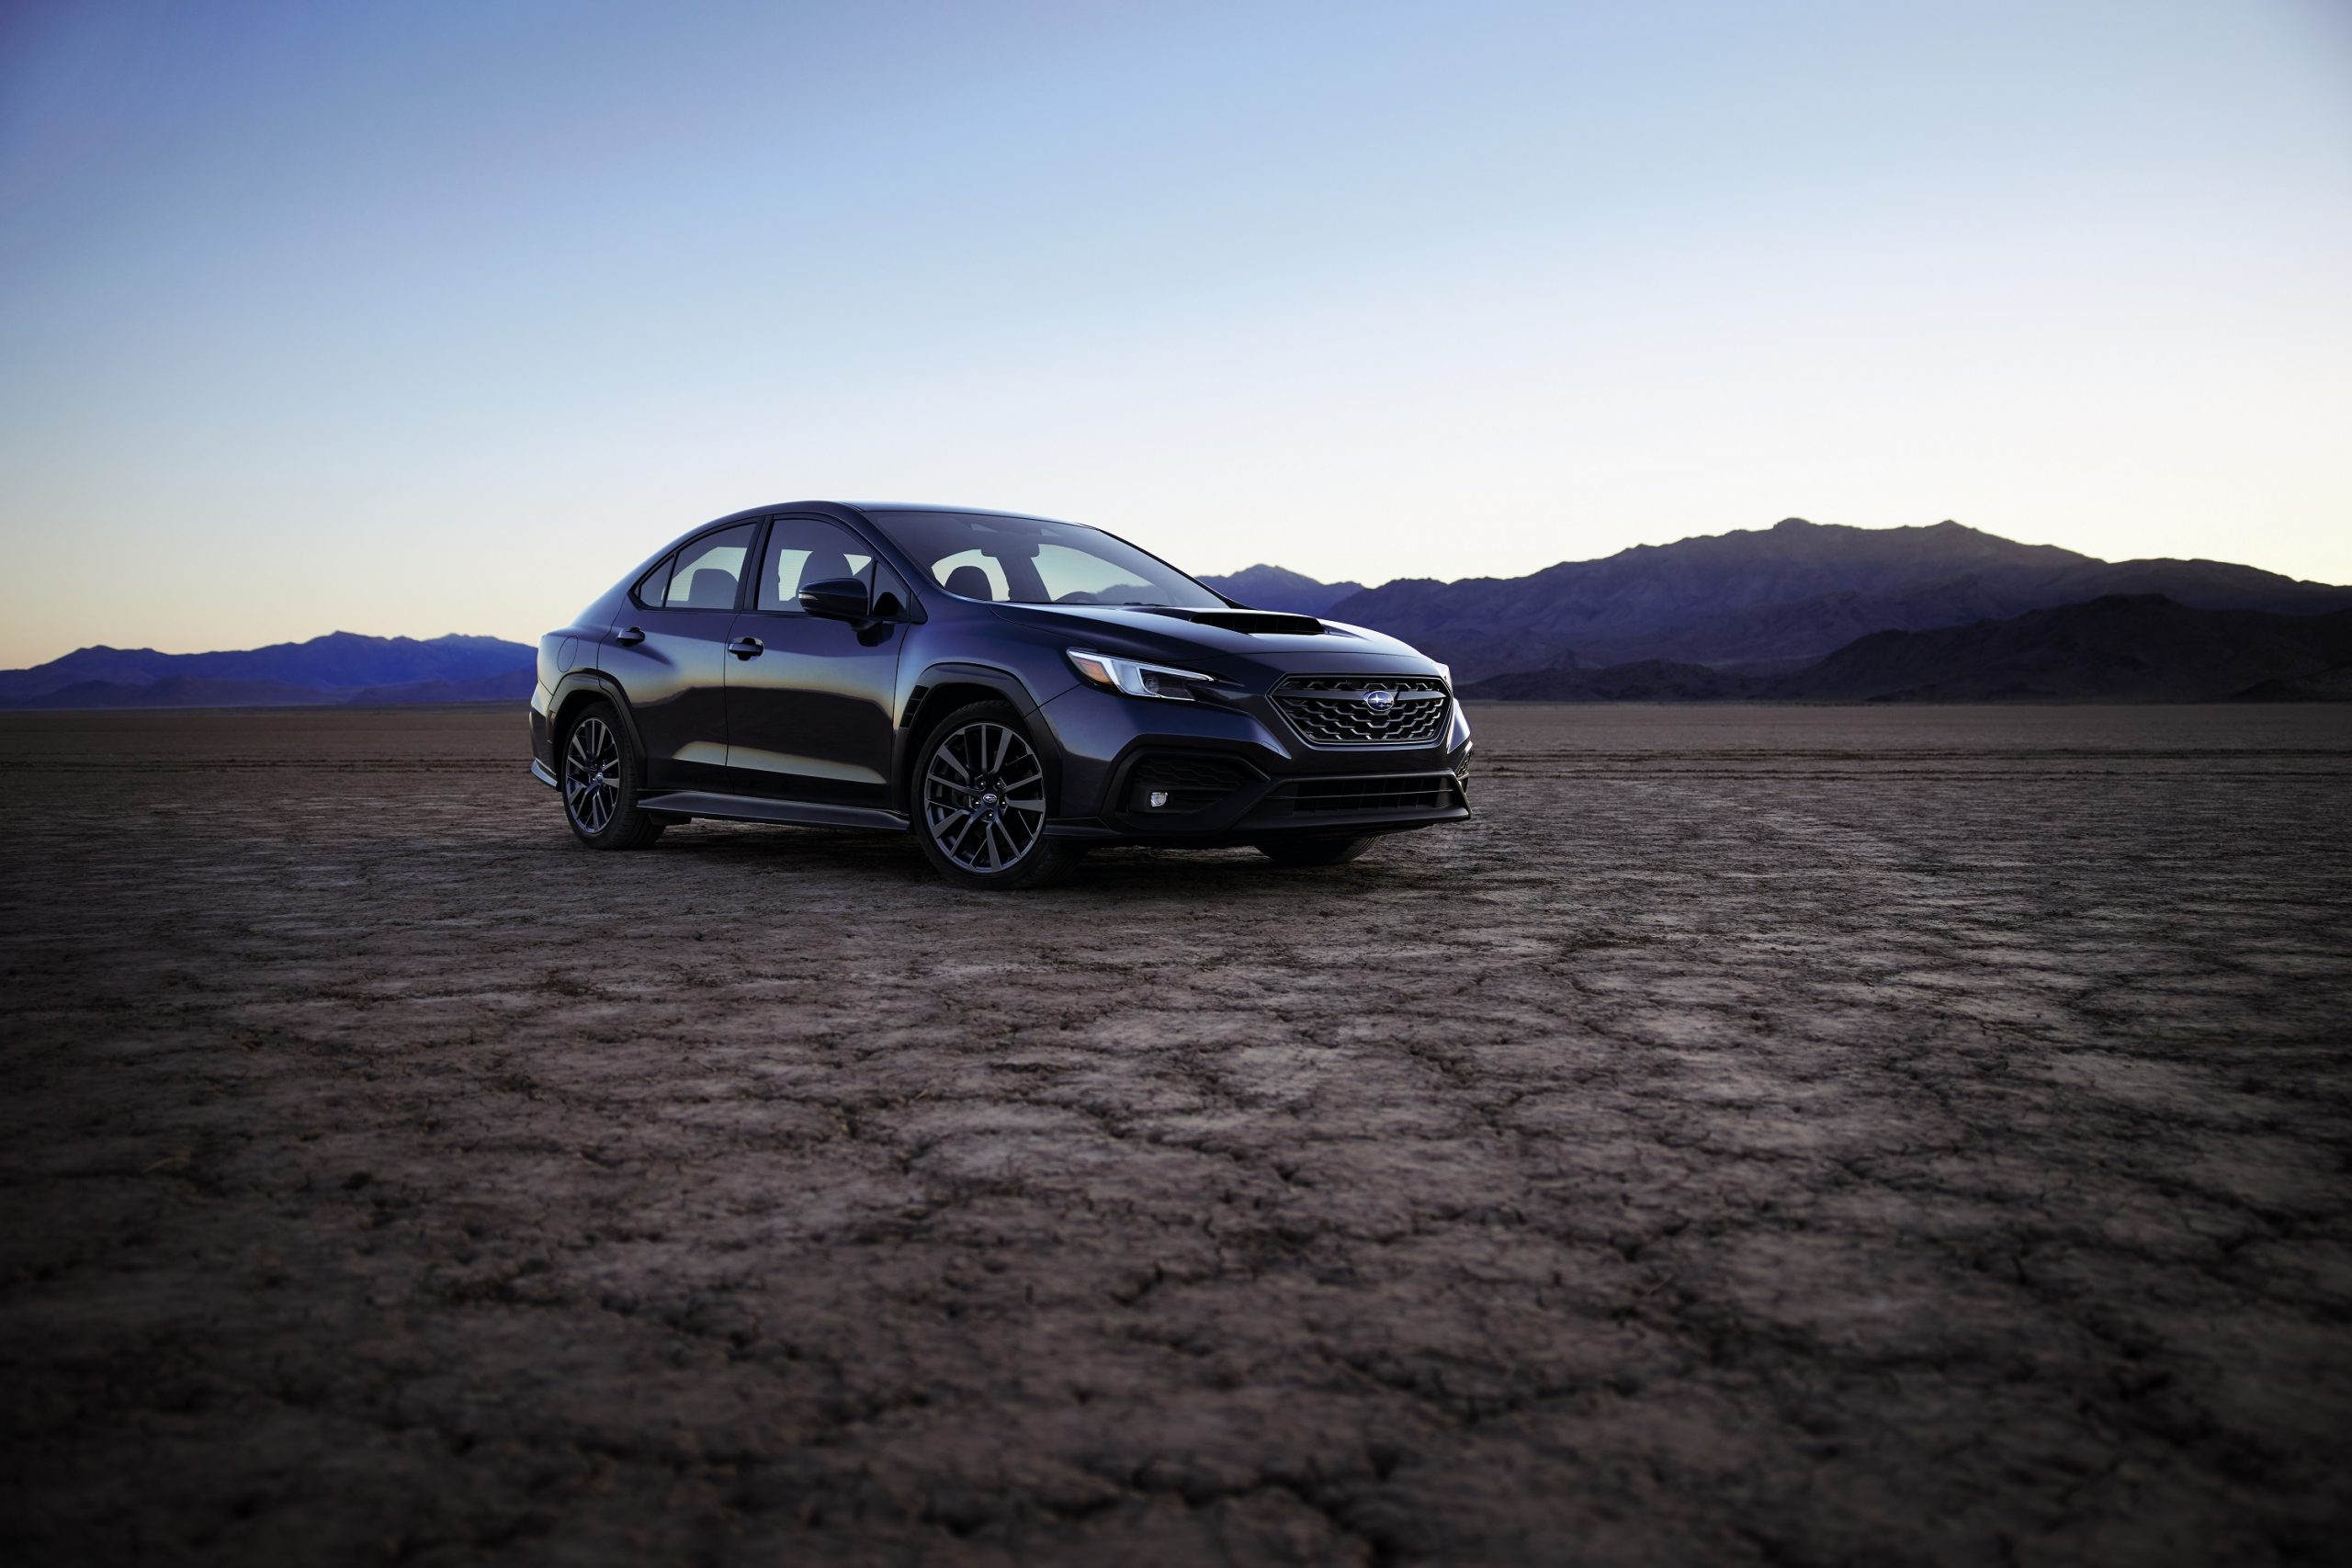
x,y
810,701
667,650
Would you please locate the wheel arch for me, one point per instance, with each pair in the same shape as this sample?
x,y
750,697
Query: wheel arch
x,y
576,690
942,689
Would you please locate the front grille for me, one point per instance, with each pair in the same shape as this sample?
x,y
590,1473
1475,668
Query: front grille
x,y
1331,710
1401,792
1190,782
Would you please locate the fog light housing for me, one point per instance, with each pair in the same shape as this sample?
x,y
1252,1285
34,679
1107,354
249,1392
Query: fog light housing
x,y
1159,798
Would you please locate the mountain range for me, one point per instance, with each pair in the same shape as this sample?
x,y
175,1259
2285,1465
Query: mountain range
x,y
1768,600
2119,648
1800,611
342,667
1275,588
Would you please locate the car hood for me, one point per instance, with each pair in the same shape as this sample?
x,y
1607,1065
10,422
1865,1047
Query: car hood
x,y
1151,633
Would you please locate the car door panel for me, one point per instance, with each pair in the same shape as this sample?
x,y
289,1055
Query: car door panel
x,y
675,684
812,716
668,658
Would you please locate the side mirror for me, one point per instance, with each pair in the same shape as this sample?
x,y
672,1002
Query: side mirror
x,y
838,599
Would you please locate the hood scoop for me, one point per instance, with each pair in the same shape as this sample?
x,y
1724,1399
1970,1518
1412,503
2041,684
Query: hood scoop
x,y
1261,623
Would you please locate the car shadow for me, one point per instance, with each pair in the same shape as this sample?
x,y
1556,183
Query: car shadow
x,y
1124,872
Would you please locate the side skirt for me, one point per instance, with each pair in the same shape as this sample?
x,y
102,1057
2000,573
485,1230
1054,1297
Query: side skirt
x,y
757,808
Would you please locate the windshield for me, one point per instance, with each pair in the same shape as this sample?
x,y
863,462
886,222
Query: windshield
x,y
1027,560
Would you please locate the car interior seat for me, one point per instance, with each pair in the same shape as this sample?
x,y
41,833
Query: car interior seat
x,y
969,583
824,566
709,588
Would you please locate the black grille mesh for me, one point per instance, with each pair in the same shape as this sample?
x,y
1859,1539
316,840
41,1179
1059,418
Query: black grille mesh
x,y
1416,792
1330,710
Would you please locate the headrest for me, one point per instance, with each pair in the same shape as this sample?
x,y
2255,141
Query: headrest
x,y
824,566
711,588
969,583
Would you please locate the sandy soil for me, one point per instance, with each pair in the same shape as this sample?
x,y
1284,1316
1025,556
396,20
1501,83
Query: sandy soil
x,y
1772,1136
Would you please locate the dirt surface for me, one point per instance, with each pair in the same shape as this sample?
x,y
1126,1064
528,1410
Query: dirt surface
x,y
1764,1135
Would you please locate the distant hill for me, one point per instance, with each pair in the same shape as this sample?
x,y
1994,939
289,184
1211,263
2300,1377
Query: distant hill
x,y
340,667
173,691
2123,648
1649,681
513,686
1777,599
2139,648
1274,588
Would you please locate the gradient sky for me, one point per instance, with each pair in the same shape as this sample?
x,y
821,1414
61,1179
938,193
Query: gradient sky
x,y
416,317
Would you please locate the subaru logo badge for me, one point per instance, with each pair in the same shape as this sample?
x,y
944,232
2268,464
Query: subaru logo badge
x,y
1380,701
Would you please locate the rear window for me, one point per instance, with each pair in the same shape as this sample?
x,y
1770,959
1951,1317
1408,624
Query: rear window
x,y
655,585
709,570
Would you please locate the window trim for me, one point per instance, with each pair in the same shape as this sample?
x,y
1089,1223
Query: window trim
x,y
755,551
667,565
911,613
767,542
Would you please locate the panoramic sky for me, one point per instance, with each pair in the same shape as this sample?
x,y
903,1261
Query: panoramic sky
x,y
421,317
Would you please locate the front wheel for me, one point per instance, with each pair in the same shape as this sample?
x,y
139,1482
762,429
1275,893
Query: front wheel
x,y
982,800
601,781
1313,852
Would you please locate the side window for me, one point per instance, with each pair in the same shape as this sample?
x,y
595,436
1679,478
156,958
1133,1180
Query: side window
x,y
972,575
709,570
802,550
654,586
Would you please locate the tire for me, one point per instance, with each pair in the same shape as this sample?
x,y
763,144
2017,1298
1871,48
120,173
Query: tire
x,y
602,778
1314,851
982,752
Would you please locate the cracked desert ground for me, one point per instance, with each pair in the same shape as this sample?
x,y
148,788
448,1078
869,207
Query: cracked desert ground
x,y
1773,1135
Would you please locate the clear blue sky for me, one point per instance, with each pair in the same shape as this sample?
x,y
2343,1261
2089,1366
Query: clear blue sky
x,y
428,318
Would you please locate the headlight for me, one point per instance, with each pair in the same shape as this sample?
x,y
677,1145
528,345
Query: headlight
x,y
1136,680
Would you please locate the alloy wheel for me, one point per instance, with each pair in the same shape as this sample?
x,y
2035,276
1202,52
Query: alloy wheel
x,y
984,798
592,776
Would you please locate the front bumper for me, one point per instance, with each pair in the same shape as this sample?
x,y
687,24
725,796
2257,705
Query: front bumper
x,y
1236,773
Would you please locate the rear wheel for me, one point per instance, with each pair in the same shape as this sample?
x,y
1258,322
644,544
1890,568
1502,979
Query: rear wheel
x,y
982,801
1314,851
602,780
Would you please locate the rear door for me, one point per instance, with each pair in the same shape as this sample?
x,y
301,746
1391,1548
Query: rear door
x,y
667,650
810,713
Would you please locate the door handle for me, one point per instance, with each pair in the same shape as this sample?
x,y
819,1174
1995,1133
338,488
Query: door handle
x,y
747,648
628,638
